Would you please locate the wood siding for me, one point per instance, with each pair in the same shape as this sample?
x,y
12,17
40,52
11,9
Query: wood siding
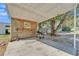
x,y
17,28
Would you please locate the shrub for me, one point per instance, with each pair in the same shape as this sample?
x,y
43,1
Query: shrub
x,y
67,29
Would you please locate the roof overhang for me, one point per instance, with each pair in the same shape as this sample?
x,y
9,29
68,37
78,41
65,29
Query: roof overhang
x,y
38,11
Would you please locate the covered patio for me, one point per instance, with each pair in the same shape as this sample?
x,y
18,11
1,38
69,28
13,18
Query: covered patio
x,y
25,20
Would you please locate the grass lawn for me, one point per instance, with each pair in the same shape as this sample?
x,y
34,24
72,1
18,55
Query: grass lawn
x,y
4,37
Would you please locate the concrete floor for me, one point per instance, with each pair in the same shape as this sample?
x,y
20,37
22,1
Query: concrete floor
x,y
32,47
62,42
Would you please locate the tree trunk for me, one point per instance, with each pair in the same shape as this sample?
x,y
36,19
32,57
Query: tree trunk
x,y
53,27
53,24
62,20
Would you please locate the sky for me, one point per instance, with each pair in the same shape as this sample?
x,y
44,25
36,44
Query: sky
x,y
4,17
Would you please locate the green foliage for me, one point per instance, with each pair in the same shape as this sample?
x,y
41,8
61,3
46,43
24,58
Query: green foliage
x,y
58,17
67,29
7,31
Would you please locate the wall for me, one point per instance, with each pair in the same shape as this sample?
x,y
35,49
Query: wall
x,y
17,28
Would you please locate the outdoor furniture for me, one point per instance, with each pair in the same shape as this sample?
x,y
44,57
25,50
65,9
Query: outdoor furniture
x,y
3,43
40,35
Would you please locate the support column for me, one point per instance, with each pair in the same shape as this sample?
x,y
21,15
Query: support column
x,y
75,6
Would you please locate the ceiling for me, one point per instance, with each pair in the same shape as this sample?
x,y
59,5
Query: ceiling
x,y
38,11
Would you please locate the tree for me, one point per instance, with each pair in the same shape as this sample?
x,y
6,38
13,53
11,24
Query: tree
x,y
52,22
62,19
